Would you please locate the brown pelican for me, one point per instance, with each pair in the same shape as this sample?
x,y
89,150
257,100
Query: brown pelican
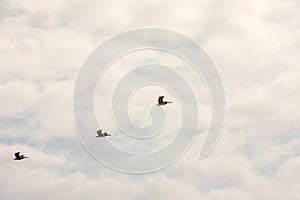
x,y
100,134
161,102
19,157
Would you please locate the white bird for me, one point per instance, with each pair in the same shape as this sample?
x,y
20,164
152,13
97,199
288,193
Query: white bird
x,y
161,102
100,134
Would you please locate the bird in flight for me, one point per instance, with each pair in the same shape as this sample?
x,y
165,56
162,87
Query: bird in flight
x,y
19,157
161,101
100,134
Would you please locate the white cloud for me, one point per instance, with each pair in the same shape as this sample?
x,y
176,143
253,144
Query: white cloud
x,y
254,45
18,97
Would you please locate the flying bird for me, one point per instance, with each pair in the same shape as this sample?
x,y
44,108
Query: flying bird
x,y
19,157
161,101
100,134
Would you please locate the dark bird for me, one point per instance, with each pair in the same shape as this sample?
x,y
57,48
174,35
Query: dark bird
x,y
161,101
100,134
19,157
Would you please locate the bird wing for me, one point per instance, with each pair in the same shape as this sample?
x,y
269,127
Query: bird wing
x,y
160,99
99,132
17,155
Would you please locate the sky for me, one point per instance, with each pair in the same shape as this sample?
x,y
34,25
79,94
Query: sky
x,y
254,46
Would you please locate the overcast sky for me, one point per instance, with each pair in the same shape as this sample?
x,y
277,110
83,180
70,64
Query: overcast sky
x,y
255,46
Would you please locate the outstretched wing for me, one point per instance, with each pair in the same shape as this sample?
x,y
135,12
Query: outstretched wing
x,y
17,155
160,99
99,132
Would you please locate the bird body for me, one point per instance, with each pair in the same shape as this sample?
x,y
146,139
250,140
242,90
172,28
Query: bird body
x,y
161,101
100,134
19,157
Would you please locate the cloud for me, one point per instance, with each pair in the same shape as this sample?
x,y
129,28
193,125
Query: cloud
x,y
255,47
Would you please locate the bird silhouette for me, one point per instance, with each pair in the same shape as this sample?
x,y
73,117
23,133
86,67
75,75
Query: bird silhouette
x,y
100,134
161,101
19,157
